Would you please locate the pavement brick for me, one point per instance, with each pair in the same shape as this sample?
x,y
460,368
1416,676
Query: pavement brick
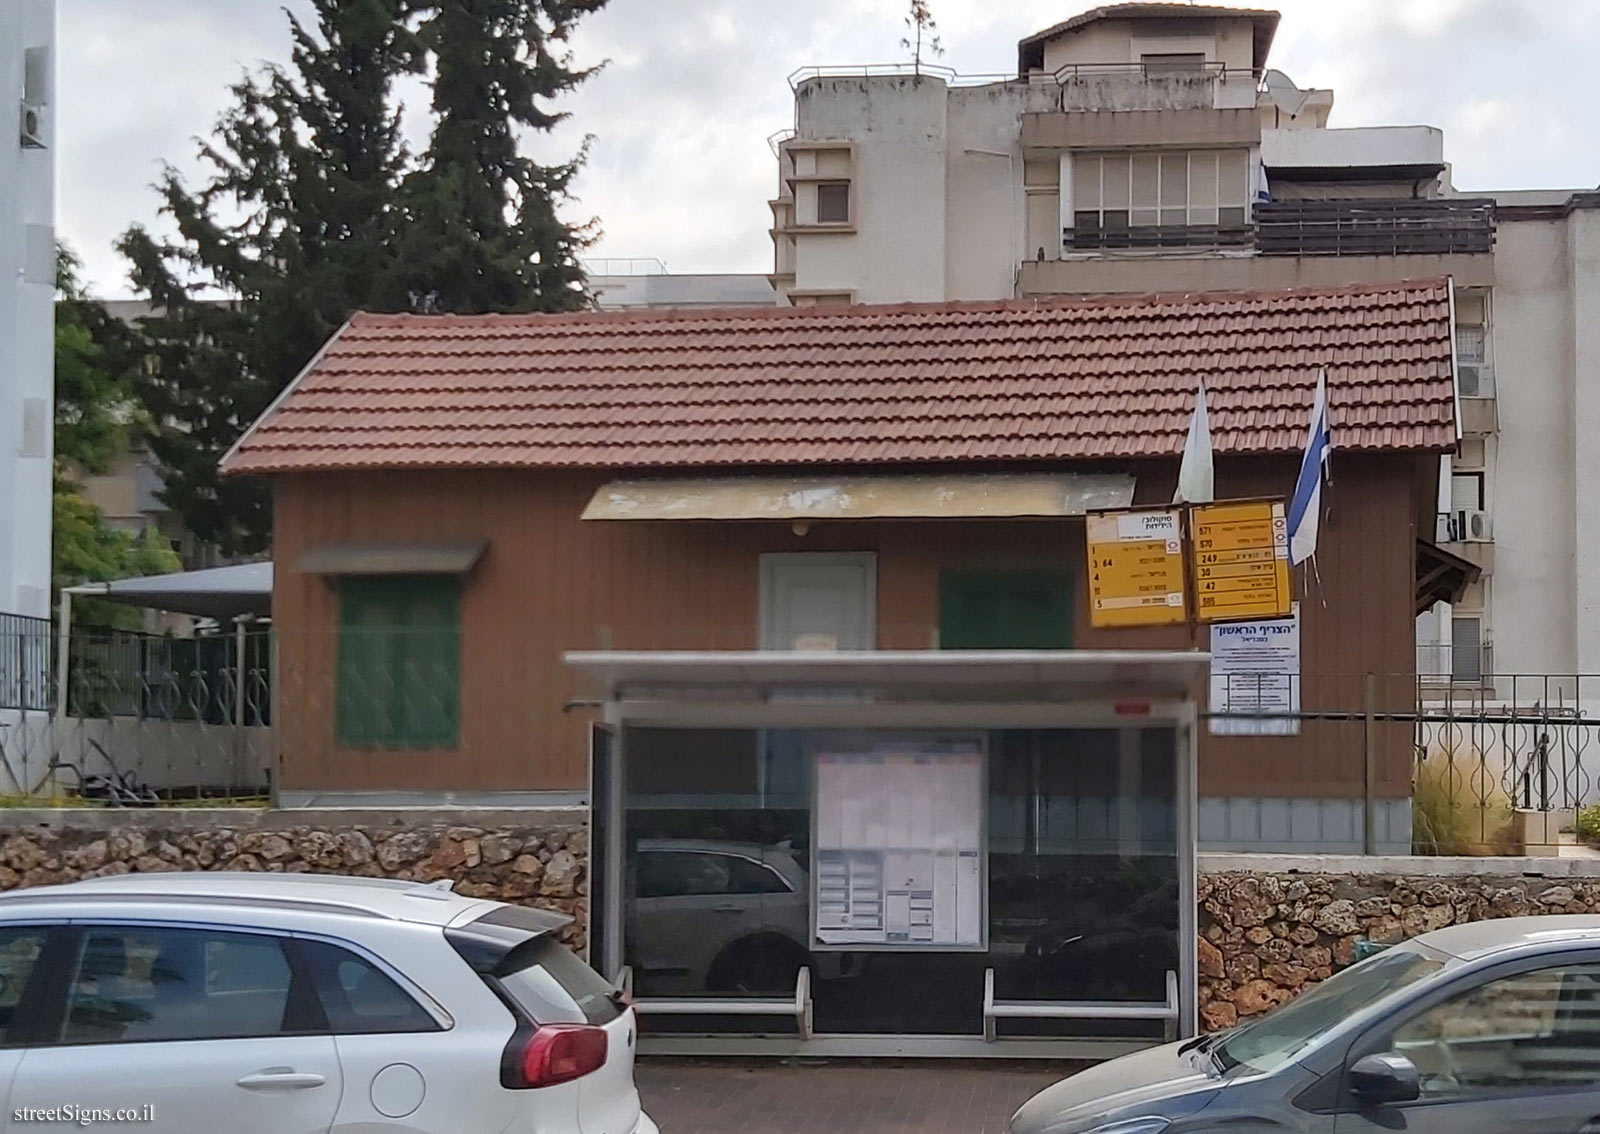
x,y
692,1096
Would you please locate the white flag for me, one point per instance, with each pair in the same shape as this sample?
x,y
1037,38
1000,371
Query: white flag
x,y
1195,476
1305,506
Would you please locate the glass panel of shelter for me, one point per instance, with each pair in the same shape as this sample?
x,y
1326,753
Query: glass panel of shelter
x,y
1082,876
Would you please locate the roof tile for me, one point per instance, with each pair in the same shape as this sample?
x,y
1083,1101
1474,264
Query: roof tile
x,y
1050,380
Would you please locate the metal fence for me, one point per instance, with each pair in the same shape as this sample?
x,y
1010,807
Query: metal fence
x,y
146,719
1498,763
25,655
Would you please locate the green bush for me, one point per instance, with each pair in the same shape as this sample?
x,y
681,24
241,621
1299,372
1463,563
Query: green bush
x,y
1588,824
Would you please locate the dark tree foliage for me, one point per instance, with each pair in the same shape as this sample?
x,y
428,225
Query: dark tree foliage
x,y
96,360
313,208
481,227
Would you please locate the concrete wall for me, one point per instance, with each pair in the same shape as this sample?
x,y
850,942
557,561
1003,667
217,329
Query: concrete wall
x,y
985,211
1357,146
1535,492
1106,41
168,754
1229,42
27,297
1583,267
897,251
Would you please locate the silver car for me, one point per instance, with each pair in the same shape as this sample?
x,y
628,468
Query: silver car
x,y
718,916
1486,1028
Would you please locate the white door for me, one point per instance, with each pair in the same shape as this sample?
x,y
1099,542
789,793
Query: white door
x,y
819,601
197,1025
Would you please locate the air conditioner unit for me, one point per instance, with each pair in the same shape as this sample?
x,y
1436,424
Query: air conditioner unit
x,y
1470,525
1475,379
32,126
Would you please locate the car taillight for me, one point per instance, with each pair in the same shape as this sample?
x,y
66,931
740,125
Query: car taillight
x,y
560,1053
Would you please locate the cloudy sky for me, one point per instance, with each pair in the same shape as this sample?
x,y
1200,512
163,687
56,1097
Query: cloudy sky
x,y
681,170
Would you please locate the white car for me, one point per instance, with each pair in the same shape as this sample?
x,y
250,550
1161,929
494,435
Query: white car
x,y
301,1003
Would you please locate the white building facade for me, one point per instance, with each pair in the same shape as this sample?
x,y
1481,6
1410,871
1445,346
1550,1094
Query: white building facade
x,y
27,296
1537,458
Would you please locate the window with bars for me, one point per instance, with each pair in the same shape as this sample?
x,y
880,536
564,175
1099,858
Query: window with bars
x,y
1152,197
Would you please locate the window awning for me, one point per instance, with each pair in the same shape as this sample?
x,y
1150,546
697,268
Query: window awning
x,y
948,496
1441,575
393,559
216,592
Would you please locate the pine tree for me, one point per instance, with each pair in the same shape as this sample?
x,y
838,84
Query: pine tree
x,y
96,358
482,230
313,209
294,229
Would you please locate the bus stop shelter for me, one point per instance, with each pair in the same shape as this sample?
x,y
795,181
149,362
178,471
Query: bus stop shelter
x,y
880,853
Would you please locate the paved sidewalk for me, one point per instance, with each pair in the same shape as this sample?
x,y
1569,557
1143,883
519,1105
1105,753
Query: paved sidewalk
x,y
698,1096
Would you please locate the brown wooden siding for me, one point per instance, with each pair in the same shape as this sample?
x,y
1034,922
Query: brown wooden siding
x,y
550,583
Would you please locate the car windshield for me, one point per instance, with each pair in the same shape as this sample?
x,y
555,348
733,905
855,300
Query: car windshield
x,y
1275,1039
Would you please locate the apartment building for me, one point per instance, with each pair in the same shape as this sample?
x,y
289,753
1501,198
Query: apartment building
x,y
1151,147
27,293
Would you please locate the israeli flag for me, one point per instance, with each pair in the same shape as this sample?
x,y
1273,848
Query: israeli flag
x,y
1305,507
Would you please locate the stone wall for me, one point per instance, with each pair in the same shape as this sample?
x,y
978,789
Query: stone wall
x,y
1269,925
535,858
1270,928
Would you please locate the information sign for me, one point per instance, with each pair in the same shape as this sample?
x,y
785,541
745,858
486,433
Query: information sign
x,y
1135,568
1240,552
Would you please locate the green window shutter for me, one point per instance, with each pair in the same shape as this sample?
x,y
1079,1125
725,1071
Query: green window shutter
x,y
361,701
430,676
1005,610
399,661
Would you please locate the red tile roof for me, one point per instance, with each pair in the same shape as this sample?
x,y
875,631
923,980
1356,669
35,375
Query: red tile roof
x,y
1016,381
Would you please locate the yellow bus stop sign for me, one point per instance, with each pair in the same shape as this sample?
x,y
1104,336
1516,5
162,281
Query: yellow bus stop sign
x,y
1135,568
1240,552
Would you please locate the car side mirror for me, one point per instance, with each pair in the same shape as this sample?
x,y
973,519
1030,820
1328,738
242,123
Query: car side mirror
x,y
1385,1078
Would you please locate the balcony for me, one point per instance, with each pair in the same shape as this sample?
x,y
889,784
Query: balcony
x,y
1207,85
1478,417
1154,237
1375,228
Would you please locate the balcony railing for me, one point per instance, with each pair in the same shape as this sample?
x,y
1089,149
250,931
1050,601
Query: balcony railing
x,y
1198,69
1374,228
1455,663
1155,237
